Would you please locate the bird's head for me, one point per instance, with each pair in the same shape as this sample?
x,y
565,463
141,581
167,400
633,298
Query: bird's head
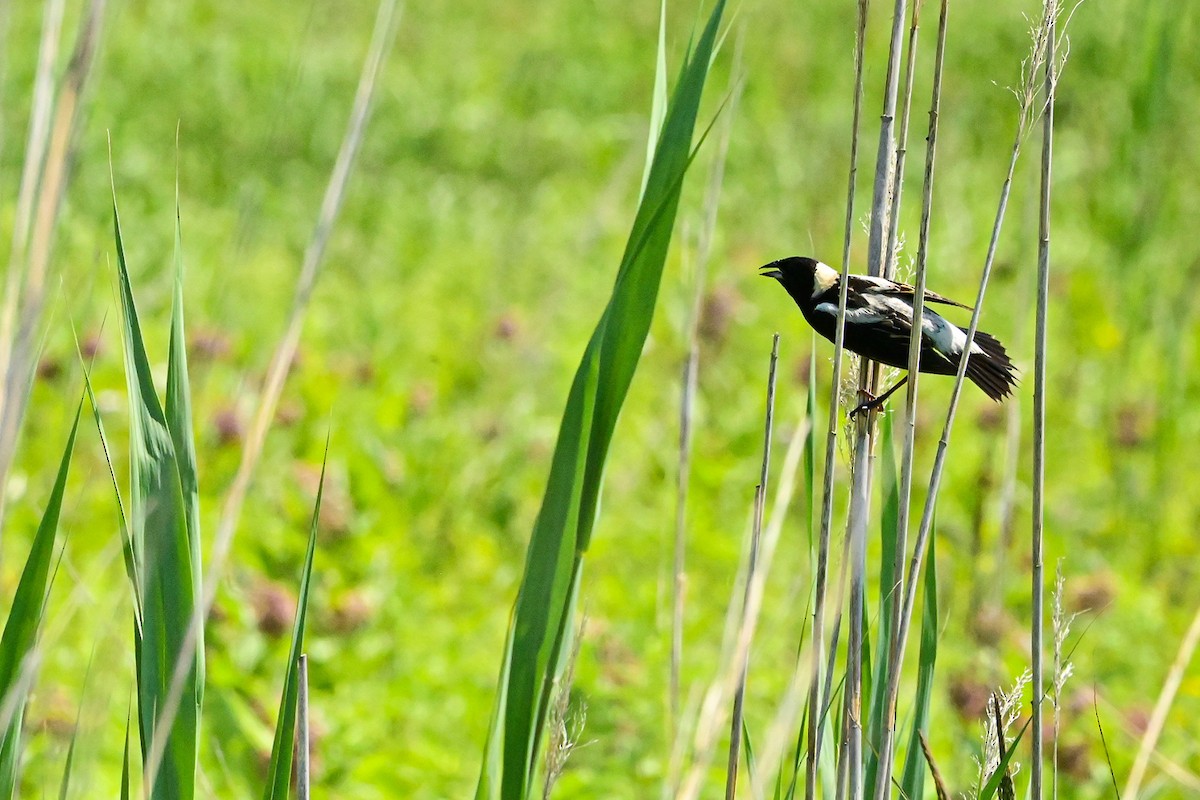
x,y
803,277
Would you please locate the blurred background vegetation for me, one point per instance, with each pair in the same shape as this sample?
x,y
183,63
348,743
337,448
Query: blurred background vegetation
x,y
480,236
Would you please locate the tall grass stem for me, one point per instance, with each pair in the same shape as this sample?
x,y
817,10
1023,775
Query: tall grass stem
x,y
885,155
1037,590
303,765
52,149
1026,110
760,491
1162,706
827,483
711,717
895,650
689,382
862,472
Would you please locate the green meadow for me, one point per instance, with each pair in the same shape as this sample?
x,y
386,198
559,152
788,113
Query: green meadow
x,y
482,228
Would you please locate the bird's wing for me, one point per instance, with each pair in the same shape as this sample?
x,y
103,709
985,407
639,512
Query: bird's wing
x,y
885,315
867,284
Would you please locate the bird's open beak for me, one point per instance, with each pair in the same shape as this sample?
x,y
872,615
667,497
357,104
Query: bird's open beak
x,y
769,271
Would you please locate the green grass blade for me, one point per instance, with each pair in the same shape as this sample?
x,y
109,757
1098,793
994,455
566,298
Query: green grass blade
x,y
125,758
25,619
751,761
913,779
541,619
279,775
621,333
990,788
492,769
179,422
159,533
65,785
888,530
658,103
131,566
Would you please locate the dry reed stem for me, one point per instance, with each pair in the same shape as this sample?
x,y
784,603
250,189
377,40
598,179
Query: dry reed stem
x,y
739,697
303,762
30,260
687,399
1037,568
885,156
35,149
1026,114
741,624
818,636
895,651
1158,717
862,471
938,784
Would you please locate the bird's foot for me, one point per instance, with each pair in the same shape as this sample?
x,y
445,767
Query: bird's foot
x,y
869,403
872,402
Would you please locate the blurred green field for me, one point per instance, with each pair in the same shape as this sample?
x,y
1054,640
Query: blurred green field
x,y
481,234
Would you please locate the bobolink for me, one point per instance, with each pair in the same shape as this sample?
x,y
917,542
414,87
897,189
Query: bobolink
x,y
879,316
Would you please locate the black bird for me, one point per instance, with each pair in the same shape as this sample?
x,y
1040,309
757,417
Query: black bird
x,y
879,315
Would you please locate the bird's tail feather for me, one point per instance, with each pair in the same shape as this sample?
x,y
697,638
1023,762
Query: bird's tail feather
x,y
992,371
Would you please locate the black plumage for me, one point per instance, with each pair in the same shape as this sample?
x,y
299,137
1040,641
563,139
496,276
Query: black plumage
x,y
879,315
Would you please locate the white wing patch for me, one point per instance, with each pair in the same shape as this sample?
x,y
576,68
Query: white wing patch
x,y
947,338
854,316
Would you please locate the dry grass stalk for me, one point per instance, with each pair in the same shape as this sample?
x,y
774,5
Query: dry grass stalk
x,y
381,39
303,742
43,184
739,697
565,732
1027,110
938,784
895,650
1162,707
1037,588
741,625
1062,669
822,566
687,400
31,170
883,208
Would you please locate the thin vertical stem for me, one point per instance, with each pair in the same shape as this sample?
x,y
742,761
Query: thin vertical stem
x,y
857,527
887,744
1039,410
33,239
814,695
691,370
35,148
678,569
760,493
1162,706
386,20
1026,99
863,469
910,61
303,770
885,157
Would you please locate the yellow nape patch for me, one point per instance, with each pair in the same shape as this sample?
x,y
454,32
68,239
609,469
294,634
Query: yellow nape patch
x,y
824,278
